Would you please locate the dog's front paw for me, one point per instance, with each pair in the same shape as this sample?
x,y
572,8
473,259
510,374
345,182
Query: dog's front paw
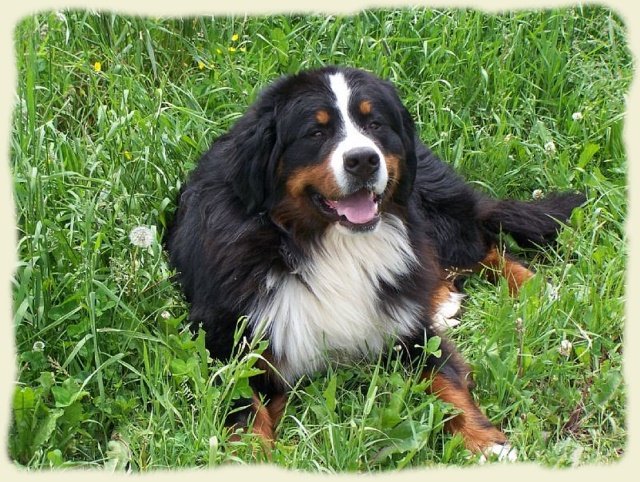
x,y
448,308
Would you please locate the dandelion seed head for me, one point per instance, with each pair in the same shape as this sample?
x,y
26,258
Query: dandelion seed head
x,y
141,236
537,194
565,348
550,147
519,324
38,346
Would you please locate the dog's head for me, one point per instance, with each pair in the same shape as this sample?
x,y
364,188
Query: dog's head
x,y
328,146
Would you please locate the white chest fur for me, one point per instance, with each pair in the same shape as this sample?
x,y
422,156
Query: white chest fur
x,y
330,307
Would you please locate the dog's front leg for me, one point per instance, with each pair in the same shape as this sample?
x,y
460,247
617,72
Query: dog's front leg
x,y
448,375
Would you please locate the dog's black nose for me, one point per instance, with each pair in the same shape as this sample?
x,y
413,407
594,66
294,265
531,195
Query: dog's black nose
x,y
363,162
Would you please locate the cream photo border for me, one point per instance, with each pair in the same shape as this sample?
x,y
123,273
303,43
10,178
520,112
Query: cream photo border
x,y
622,470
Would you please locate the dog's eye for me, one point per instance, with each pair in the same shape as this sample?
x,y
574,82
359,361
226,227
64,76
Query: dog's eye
x,y
317,133
374,125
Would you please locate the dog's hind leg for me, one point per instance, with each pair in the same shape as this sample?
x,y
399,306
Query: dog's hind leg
x,y
498,264
448,297
530,223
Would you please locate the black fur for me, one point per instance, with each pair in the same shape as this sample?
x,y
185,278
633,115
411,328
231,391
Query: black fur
x,y
464,223
224,240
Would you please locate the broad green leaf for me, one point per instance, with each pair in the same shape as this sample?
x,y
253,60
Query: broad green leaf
x,y
23,404
329,394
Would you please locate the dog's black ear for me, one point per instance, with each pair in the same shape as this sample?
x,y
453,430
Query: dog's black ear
x,y
251,155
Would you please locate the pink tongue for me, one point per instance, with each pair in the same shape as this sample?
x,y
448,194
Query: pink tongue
x,y
358,208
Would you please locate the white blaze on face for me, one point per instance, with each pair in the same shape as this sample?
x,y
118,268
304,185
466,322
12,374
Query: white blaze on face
x,y
352,137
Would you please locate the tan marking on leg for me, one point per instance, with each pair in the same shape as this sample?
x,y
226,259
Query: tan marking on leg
x,y
471,423
262,428
262,423
276,408
266,417
515,273
443,293
446,305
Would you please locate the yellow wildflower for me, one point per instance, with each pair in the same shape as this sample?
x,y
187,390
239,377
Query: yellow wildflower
x,y
234,37
97,67
201,65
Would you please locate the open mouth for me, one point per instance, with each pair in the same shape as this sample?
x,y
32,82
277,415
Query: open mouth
x,y
358,211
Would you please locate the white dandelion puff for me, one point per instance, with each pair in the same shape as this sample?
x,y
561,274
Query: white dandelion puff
x,y
141,236
38,346
550,147
576,116
519,324
565,348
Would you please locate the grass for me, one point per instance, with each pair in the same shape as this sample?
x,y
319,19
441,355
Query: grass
x,y
113,111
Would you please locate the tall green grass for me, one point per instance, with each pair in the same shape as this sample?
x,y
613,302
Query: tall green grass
x,y
111,114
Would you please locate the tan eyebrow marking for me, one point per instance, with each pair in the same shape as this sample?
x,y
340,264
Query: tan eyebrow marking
x,y
365,107
322,116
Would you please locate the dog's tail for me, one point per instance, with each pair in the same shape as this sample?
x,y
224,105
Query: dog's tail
x,y
530,223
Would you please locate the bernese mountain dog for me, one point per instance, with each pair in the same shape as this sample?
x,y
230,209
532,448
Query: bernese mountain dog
x,y
323,221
